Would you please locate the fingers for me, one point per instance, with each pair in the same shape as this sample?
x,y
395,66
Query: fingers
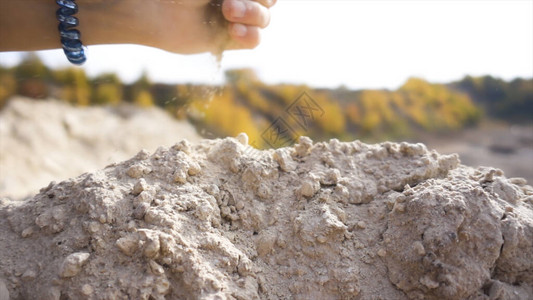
x,y
246,18
252,13
267,3
244,36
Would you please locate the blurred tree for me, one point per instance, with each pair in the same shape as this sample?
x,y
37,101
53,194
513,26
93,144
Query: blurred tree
x,y
8,85
32,77
436,108
143,99
81,87
32,66
141,91
511,101
74,86
107,89
332,123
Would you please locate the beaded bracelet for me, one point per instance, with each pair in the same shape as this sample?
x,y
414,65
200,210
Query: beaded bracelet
x,y
70,38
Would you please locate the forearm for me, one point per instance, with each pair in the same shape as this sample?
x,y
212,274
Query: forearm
x,y
182,26
27,25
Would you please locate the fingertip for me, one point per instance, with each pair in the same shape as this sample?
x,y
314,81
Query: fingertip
x,y
246,12
267,3
233,9
244,37
238,30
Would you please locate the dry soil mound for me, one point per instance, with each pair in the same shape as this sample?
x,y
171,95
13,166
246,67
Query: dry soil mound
x,y
41,141
220,220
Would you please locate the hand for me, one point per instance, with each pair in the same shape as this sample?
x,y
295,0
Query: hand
x,y
182,26
187,26
194,26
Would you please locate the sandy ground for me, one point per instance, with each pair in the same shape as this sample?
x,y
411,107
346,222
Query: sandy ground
x,y
220,220
43,141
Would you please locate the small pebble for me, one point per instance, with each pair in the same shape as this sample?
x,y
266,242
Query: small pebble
x,y
144,197
419,248
155,268
143,154
303,146
242,138
29,275
140,186
309,188
93,227
361,224
180,176
87,290
73,263
152,244
27,232
135,171
182,145
128,245
428,282
102,219
284,160
382,252
152,248
321,239
194,169
399,207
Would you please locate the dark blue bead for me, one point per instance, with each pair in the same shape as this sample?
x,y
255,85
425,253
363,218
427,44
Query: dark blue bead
x,y
68,21
67,11
77,57
74,54
72,34
77,61
63,27
67,3
71,45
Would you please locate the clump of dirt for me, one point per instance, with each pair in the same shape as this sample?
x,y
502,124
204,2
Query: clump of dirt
x,y
221,220
41,141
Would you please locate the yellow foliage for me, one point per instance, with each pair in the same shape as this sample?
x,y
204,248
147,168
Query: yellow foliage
x,y
227,117
8,86
144,99
353,112
108,94
435,107
373,104
333,120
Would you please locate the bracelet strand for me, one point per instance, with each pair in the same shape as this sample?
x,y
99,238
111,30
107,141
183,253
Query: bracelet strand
x,y
70,38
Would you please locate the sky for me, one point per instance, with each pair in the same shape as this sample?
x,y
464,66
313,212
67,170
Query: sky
x,y
351,43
